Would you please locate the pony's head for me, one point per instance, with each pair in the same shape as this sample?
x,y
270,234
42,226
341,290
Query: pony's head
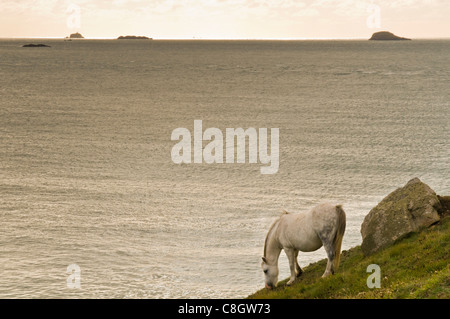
x,y
270,273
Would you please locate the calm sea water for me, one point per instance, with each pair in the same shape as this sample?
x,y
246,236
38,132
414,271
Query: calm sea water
x,y
86,175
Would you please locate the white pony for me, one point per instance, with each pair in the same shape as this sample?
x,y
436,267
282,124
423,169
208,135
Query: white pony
x,y
323,225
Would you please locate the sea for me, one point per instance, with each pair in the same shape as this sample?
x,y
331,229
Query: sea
x,y
92,204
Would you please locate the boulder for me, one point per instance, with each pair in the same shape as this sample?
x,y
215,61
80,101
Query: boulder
x,y
406,210
445,205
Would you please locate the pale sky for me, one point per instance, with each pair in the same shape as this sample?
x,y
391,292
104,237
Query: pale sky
x,y
219,19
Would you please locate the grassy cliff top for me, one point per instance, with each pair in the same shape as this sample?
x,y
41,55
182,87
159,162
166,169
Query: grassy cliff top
x,y
415,267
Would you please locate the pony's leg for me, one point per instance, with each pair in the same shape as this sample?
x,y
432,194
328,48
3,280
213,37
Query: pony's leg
x,y
331,255
329,270
298,270
290,253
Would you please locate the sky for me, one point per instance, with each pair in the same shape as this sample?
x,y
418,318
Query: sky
x,y
225,19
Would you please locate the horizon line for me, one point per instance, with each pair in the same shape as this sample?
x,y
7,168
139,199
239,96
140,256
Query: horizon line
x,y
223,39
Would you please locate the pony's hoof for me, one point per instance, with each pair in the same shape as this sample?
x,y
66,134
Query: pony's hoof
x,y
290,282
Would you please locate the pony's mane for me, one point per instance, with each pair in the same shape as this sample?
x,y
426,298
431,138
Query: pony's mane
x,y
271,228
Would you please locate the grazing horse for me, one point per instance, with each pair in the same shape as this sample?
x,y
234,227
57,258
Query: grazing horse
x,y
323,225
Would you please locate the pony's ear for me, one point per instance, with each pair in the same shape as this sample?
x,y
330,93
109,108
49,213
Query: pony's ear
x,y
264,259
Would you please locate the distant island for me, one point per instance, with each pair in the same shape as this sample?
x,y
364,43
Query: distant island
x,y
75,36
386,36
31,45
133,37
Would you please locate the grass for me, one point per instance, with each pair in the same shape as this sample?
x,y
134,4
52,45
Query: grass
x,y
414,267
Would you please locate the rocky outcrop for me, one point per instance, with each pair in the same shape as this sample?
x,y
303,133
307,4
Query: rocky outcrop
x,y
76,36
406,210
385,35
445,205
31,45
133,37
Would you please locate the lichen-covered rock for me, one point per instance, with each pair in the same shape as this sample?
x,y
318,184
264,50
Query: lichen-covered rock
x,y
406,210
445,203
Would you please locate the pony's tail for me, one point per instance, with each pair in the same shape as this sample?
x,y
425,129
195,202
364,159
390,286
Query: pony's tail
x,y
341,222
